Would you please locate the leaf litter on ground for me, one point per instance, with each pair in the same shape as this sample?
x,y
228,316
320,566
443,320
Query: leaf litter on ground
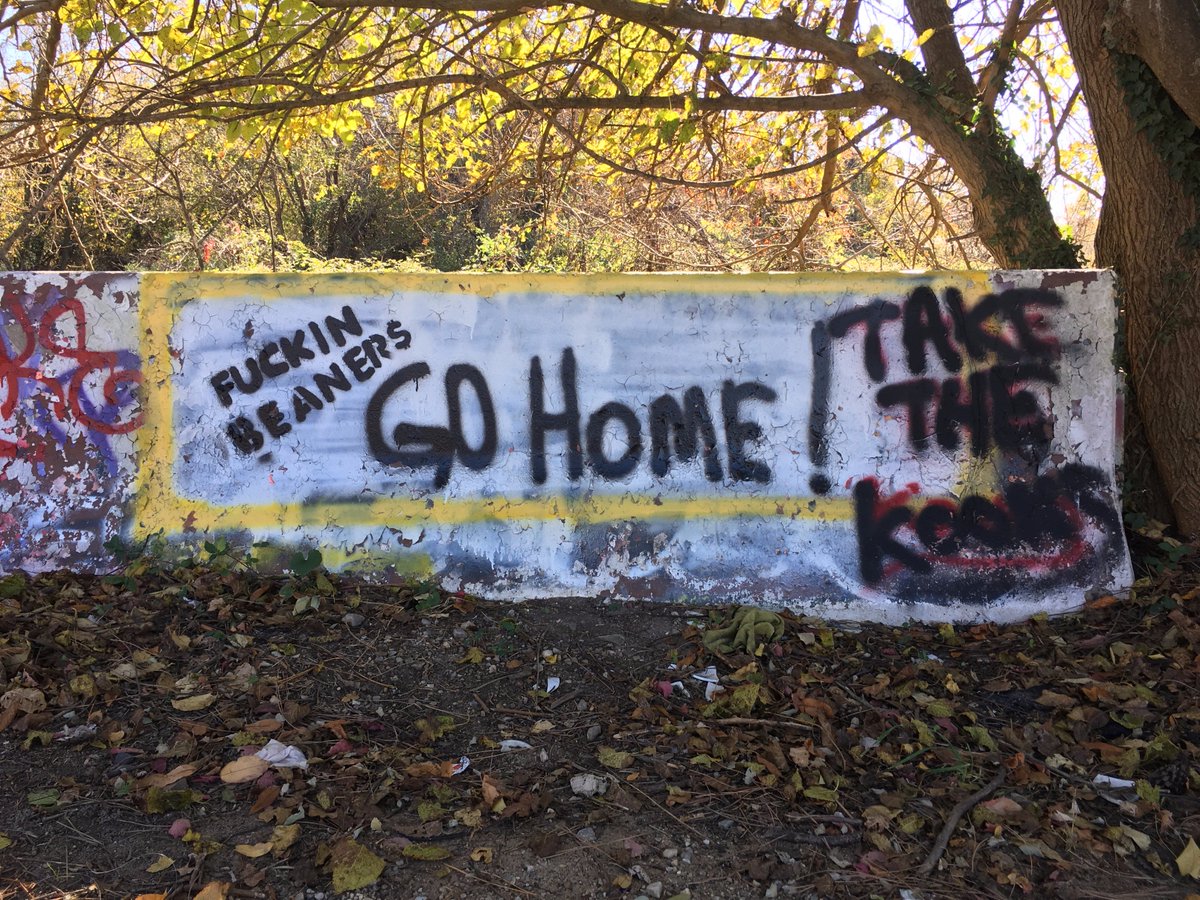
x,y
308,752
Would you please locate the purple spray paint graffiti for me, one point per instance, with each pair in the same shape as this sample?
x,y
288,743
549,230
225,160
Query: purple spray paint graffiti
x,y
68,408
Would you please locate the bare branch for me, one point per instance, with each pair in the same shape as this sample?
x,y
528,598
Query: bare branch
x,y
1016,29
843,100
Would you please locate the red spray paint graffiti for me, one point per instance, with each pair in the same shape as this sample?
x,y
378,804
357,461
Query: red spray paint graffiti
x,y
48,371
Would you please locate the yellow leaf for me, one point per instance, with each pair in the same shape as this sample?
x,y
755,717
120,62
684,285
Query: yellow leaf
x,y
475,656
5,841
614,759
482,854
254,851
161,864
471,818
194,704
283,836
924,36
214,890
1140,839
354,866
243,769
1189,860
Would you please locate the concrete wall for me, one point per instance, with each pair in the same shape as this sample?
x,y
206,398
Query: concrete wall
x,y
884,447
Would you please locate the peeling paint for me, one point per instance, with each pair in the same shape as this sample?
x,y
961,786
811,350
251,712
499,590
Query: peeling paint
x,y
887,447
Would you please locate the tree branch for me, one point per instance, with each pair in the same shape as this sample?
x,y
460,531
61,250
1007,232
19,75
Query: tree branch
x,y
1016,29
858,99
941,51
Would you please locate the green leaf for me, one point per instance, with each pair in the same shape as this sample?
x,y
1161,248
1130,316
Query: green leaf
x,y
1148,792
981,736
160,801
827,795
429,810
44,797
305,563
425,852
941,709
12,586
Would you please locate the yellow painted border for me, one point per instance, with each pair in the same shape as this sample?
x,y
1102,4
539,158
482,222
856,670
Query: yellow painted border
x,y
157,508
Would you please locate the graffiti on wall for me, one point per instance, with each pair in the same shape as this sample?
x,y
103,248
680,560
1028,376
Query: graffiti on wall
x,y
885,446
69,377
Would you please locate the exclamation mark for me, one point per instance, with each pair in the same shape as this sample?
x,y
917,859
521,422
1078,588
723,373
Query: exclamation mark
x,y
818,446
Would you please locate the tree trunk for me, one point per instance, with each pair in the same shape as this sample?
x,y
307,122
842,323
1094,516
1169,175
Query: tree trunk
x,y
1013,218
1147,210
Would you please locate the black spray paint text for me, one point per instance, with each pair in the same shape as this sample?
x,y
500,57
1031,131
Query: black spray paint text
x,y
361,359
678,428
1007,338
1036,523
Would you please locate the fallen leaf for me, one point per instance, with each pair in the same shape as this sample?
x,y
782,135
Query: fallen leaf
x,y
243,769
354,866
491,790
474,656
159,801
179,828
254,851
472,818
614,759
1189,860
5,841
283,836
194,704
19,700
482,854
1056,701
428,810
44,797
161,864
827,795
426,852
266,797
167,778
214,890
445,769
1002,807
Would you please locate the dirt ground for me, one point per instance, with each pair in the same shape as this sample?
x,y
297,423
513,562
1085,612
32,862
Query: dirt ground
x,y
913,762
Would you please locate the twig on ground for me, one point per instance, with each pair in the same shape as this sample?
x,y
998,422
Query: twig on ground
x,y
823,840
491,881
739,720
943,838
